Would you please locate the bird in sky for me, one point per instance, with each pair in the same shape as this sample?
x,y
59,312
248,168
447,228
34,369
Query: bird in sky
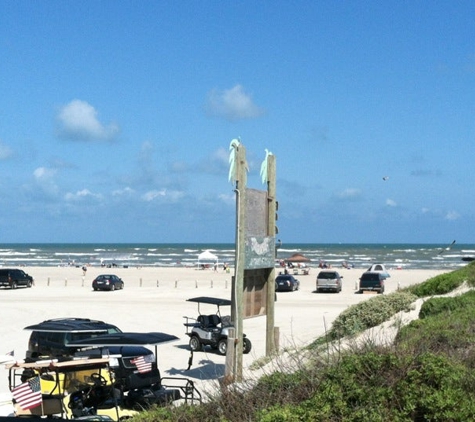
x,y
386,178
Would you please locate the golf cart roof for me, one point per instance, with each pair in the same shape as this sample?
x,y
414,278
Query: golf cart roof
x,y
210,300
125,339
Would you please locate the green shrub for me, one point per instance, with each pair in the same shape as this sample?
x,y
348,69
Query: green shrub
x,y
445,283
368,314
435,306
451,332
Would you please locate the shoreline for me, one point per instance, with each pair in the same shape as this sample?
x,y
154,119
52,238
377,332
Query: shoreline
x,y
155,299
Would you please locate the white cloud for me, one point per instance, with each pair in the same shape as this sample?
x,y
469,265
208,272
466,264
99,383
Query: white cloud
x,y
169,195
5,151
228,199
222,155
43,173
78,121
45,180
452,215
123,192
391,203
349,194
232,104
81,195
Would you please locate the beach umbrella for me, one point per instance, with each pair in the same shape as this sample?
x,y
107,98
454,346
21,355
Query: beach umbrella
x,y
297,257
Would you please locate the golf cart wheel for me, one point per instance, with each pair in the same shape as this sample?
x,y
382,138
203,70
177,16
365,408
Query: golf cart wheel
x,y
222,346
247,346
195,344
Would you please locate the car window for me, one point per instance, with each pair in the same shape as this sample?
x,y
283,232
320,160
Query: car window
x,y
327,276
54,338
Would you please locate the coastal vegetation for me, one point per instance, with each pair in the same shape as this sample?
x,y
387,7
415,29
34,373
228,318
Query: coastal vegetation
x,y
425,374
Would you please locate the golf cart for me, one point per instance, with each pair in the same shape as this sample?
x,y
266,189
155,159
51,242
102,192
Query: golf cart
x,y
140,394
213,329
69,389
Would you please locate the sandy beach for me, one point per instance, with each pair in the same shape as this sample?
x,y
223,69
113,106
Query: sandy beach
x,y
154,299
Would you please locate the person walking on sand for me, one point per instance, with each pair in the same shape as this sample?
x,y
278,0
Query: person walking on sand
x,y
84,270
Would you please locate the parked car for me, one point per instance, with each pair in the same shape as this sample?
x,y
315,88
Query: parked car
x,y
54,338
12,277
329,281
286,283
107,282
372,281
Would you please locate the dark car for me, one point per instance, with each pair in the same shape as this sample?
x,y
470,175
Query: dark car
x,y
107,282
58,338
286,283
12,277
372,281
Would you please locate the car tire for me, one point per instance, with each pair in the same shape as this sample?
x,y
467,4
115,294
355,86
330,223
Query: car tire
x,y
112,287
195,344
28,284
222,346
14,285
247,346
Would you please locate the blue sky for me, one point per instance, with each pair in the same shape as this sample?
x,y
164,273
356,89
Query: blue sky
x,y
116,119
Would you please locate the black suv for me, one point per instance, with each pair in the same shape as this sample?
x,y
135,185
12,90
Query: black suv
x,y
372,281
12,277
51,338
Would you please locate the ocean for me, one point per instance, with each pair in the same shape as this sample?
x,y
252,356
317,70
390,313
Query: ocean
x,y
409,256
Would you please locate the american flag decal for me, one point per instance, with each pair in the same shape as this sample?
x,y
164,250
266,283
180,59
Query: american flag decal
x,y
28,394
141,365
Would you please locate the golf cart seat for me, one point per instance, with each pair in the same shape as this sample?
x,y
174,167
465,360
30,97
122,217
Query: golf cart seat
x,y
208,321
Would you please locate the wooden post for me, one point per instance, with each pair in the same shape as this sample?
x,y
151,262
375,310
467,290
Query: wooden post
x,y
276,338
230,351
238,279
271,231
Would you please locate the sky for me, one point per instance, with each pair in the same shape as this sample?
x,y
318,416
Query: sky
x,y
116,119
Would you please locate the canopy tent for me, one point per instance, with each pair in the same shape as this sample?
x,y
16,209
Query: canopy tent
x,y
207,257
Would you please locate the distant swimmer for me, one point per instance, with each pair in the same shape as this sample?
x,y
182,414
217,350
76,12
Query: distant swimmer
x,y
386,178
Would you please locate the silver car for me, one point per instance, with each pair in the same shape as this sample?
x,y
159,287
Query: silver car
x,y
329,280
